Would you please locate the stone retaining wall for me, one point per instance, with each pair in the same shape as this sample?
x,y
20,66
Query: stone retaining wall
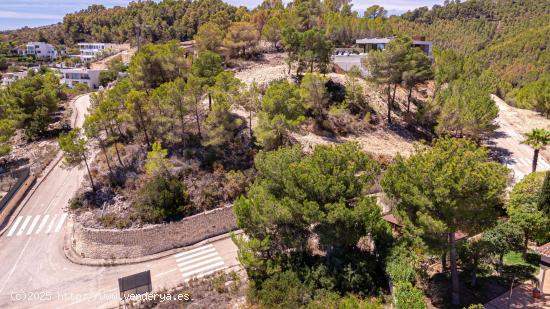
x,y
132,243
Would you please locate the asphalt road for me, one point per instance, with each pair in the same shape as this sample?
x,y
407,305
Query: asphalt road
x,y
34,272
514,154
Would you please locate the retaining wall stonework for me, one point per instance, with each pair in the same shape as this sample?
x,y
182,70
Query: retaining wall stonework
x,y
132,243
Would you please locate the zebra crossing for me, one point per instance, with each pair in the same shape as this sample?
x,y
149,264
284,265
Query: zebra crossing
x,y
37,224
199,262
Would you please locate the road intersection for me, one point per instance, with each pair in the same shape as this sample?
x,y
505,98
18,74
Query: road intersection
x,y
35,273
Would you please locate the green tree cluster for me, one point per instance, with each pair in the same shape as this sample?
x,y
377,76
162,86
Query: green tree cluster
x,y
304,217
448,188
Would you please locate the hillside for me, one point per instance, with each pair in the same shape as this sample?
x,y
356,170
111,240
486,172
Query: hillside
x,y
507,39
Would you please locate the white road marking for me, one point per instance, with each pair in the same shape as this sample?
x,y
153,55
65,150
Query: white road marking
x,y
14,226
193,255
194,250
202,270
205,273
50,226
24,225
199,262
42,223
60,223
193,264
33,224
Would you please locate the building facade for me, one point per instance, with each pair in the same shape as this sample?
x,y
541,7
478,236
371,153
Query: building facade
x,y
380,43
10,78
41,50
74,76
91,51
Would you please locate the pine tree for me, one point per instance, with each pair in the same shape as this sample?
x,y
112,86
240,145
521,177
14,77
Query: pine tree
x,y
544,202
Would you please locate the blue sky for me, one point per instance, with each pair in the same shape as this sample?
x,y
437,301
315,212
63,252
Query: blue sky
x,y
18,13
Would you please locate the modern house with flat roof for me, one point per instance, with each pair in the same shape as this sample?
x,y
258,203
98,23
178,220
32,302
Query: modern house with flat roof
x,y
10,78
74,76
41,50
369,44
90,51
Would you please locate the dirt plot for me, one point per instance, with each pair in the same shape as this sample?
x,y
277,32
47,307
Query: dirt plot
x,y
271,68
382,141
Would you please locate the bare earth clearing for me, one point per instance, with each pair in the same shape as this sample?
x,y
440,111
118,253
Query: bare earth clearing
x,y
380,142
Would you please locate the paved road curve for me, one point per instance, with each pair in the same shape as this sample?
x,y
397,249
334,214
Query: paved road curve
x,y
516,156
34,272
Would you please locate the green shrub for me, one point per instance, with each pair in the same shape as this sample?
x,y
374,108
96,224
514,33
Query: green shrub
x,y
163,198
408,297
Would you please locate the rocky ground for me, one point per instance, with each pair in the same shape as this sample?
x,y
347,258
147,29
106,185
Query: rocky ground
x,y
220,290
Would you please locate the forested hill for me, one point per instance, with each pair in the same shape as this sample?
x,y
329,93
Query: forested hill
x,y
505,40
508,39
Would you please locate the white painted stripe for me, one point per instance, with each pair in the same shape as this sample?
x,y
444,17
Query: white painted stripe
x,y
202,257
24,225
33,224
50,226
202,269
14,226
193,250
60,223
204,274
193,255
185,268
42,223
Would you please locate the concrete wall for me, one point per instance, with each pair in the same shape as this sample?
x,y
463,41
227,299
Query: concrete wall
x,y
132,243
12,199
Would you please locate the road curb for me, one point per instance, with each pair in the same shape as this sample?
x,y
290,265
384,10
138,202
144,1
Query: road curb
x,y
73,256
49,168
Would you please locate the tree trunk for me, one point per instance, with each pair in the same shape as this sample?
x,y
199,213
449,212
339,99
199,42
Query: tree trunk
x,y
198,119
182,122
474,275
209,101
89,173
143,126
106,157
500,263
389,104
393,96
250,123
525,245
409,100
535,159
118,155
119,129
444,261
455,294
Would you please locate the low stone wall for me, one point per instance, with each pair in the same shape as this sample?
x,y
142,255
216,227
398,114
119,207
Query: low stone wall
x,y
131,243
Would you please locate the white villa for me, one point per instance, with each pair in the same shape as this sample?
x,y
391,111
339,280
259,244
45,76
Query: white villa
x,y
74,76
41,50
380,43
10,78
90,51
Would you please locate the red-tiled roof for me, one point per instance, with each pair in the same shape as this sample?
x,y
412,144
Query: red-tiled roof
x,y
544,249
460,235
391,219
